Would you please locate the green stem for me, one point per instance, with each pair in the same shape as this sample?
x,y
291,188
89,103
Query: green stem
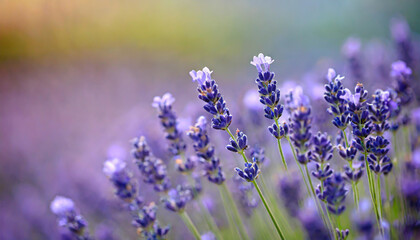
x,y
228,207
379,198
315,197
345,137
209,219
332,226
269,210
190,224
298,164
280,148
236,216
372,192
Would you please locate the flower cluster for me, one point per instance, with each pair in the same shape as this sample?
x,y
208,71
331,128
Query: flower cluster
x,y
269,94
65,210
378,160
342,234
258,153
177,198
169,122
334,91
209,93
250,172
322,152
402,86
153,169
353,171
290,192
360,120
300,124
206,152
333,193
144,218
401,34
380,111
238,144
125,188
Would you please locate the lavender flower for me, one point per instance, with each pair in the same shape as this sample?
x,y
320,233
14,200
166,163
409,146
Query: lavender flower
x,y
333,193
115,170
250,172
169,122
378,161
300,123
360,120
352,51
209,93
289,187
65,210
401,33
402,85
313,225
177,199
334,91
206,152
239,144
269,93
353,171
342,234
153,170
258,153
146,216
322,152
380,111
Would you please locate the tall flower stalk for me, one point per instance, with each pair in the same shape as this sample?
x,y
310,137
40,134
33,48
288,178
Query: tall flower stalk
x,y
270,98
215,105
339,108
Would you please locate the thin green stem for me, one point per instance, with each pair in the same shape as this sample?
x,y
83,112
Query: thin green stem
x,y
190,224
315,197
379,198
269,211
372,191
345,137
209,219
228,207
280,148
298,164
237,218
332,226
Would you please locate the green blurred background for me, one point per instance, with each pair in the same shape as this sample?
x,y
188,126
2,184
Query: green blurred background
x,y
201,32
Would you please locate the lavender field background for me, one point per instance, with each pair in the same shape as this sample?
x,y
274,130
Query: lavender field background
x,y
77,80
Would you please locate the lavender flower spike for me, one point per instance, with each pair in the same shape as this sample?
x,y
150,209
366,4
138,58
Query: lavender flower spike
x,y
215,104
250,172
169,122
64,208
262,61
115,170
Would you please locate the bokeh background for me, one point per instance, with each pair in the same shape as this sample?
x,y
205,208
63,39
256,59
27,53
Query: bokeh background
x,y
77,79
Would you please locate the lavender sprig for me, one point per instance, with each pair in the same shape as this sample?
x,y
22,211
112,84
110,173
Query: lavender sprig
x,y
270,98
169,122
65,210
144,218
206,152
154,170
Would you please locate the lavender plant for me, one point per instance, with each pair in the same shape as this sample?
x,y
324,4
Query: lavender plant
x,y
367,126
